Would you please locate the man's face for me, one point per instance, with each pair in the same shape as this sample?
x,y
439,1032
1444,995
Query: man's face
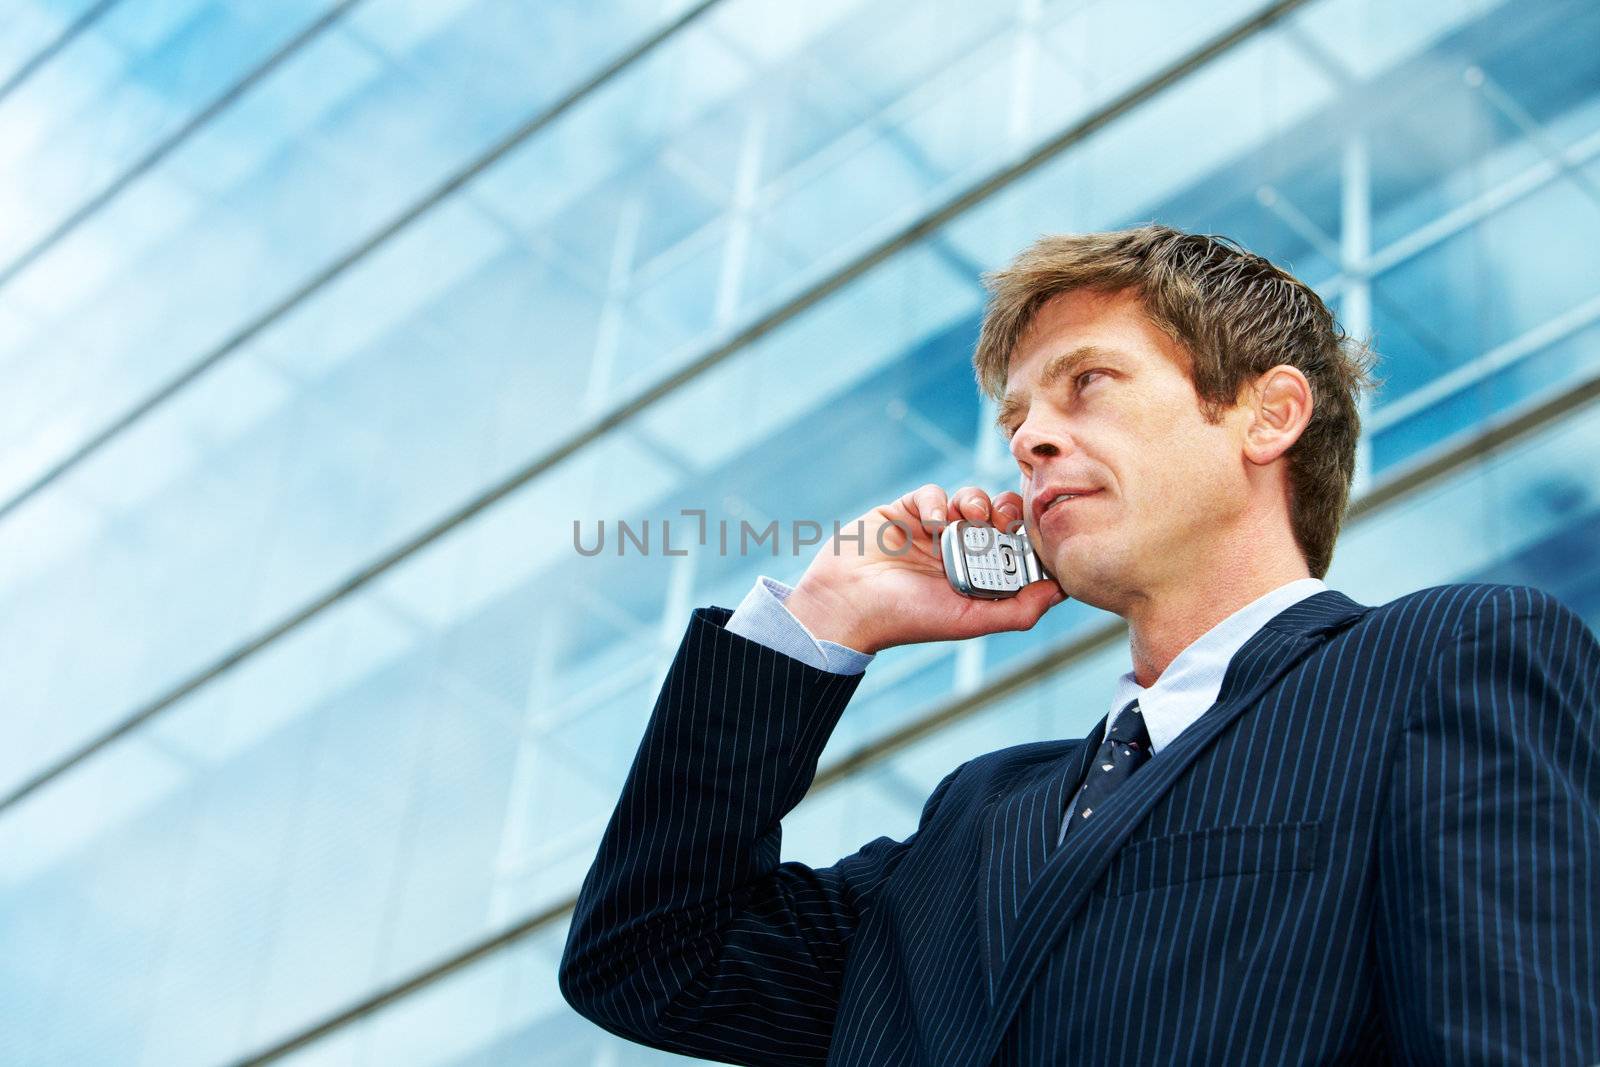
x,y
1099,403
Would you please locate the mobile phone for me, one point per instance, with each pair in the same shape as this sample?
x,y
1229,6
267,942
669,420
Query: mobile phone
x,y
989,564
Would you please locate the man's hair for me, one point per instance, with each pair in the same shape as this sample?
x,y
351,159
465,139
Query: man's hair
x,y
1235,314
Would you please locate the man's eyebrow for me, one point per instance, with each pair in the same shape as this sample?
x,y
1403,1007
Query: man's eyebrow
x,y
1059,366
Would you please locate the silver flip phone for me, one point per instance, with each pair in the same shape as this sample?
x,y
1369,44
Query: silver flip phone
x,y
981,561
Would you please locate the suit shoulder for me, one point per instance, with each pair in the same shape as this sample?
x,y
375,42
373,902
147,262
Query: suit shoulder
x,y
1460,606
1004,765
1026,753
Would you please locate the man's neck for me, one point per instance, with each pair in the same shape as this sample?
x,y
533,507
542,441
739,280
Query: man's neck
x,y
1162,627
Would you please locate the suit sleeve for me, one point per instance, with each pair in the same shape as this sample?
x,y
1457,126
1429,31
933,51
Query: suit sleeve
x,y
1488,932
689,935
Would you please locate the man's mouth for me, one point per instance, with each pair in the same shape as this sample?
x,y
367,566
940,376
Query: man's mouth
x,y
1048,502
1062,499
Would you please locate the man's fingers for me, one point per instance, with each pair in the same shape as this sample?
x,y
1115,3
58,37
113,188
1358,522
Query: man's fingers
x,y
927,504
1008,511
972,502
931,509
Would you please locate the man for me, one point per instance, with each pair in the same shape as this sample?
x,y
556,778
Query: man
x,y
1307,831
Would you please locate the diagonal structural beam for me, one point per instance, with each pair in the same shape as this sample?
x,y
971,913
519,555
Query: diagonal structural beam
x,y
165,147
69,33
400,222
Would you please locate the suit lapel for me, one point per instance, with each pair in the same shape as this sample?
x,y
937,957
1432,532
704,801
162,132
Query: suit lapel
x,y
1020,827
1020,937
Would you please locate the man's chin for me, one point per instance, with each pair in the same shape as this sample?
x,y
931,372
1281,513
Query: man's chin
x,y
1095,584
1087,593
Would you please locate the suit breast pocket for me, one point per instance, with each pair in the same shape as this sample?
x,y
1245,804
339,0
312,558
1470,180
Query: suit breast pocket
x,y
1215,852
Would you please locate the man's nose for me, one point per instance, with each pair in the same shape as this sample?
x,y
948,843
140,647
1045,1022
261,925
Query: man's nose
x,y
1032,443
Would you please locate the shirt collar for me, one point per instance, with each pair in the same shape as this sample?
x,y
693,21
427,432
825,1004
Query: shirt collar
x,y
1191,682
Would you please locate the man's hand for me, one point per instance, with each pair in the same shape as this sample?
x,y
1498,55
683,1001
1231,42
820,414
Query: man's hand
x,y
881,593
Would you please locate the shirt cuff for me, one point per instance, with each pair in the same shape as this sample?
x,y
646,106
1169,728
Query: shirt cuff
x,y
762,618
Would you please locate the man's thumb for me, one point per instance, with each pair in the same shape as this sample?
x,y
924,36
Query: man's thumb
x,y
1036,598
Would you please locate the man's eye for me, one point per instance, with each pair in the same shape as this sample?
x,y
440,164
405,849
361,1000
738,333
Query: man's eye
x,y
1083,378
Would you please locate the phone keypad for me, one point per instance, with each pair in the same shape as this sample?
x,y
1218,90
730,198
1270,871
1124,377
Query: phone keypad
x,y
994,559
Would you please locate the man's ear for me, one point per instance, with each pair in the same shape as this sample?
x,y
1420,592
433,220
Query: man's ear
x,y
1280,407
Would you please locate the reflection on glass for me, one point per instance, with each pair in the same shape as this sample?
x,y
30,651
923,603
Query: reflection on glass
x,y
430,759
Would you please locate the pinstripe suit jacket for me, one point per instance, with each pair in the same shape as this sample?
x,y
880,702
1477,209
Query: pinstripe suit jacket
x,y
1381,844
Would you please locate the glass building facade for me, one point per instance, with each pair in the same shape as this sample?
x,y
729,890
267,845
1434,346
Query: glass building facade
x,y
321,324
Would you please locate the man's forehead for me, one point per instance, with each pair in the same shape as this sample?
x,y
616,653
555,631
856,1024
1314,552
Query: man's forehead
x,y
1080,308
1076,318
1073,326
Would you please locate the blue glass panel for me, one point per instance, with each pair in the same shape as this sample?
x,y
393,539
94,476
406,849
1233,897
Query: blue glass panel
x,y
429,759
29,29
130,80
